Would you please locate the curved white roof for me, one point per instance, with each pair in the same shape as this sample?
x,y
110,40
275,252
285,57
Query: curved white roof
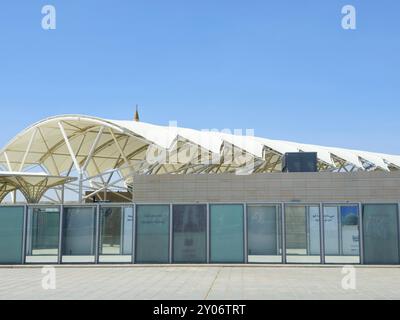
x,y
32,185
95,145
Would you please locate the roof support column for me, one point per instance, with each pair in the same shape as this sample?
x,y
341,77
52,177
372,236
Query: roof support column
x,y
80,181
70,150
74,160
93,149
8,161
28,149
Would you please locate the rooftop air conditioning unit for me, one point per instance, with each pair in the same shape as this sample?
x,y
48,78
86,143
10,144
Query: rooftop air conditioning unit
x,y
300,162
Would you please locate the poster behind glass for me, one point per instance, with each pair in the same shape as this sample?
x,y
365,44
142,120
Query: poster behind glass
x,y
190,224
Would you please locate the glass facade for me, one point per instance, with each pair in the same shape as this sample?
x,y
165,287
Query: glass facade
x,y
264,233
303,242
79,235
11,234
116,234
43,235
227,233
381,234
190,233
342,234
197,233
152,233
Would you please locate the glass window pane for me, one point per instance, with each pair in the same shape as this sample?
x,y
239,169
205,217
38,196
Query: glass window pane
x,y
116,226
11,233
79,225
43,235
302,234
227,233
152,237
381,239
264,234
341,228
331,229
350,222
190,236
127,231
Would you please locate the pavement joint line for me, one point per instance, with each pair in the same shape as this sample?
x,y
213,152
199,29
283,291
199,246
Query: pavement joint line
x,y
213,283
169,266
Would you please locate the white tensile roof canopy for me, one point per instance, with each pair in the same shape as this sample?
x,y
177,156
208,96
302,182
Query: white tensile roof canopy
x,y
93,149
32,185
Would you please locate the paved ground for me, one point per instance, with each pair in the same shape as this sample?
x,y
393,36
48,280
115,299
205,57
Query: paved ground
x,y
200,283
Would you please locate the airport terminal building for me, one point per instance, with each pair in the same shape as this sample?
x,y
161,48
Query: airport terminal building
x,y
83,190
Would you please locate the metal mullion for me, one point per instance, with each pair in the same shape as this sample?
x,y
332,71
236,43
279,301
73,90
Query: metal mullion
x,y
322,233
361,232
171,233
283,219
97,234
246,239
134,233
60,238
339,213
278,228
208,234
307,229
24,234
398,228
121,239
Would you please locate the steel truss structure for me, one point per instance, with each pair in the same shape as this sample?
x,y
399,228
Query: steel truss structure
x,y
98,156
33,186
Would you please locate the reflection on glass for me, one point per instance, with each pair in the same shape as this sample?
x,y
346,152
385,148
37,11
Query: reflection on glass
x,y
43,235
341,228
152,237
11,230
116,232
302,225
381,238
264,234
350,222
79,225
190,223
227,233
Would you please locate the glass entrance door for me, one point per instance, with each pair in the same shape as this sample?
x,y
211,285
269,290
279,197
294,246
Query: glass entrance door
x,y
116,234
264,226
43,233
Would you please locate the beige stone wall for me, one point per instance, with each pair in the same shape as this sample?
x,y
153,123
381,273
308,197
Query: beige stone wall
x,y
272,187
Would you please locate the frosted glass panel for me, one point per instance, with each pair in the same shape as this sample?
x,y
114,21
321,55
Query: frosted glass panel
x,y
43,235
227,233
341,230
350,231
331,229
127,233
264,234
11,230
313,231
79,235
152,240
190,224
381,239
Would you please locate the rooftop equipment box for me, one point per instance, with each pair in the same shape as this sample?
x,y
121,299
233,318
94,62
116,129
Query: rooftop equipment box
x,y
300,162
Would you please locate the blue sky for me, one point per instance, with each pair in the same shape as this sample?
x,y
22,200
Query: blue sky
x,y
284,68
